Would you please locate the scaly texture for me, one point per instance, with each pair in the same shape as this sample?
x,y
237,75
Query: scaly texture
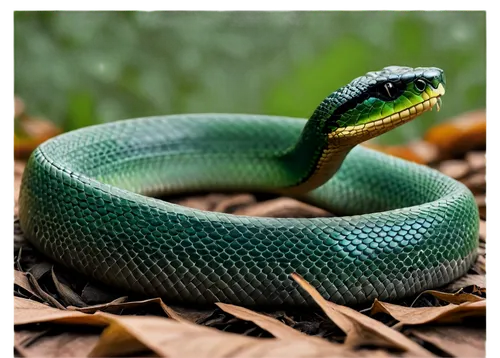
x,y
82,203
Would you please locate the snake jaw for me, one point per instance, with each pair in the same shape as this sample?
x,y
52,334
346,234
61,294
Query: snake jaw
x,y
352,135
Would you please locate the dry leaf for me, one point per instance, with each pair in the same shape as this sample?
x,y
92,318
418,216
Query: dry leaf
x,y
115,306
361,329
133,335
421,315
466,281
92,294
21,280
18,174
234,202
46,297
418,151
454,168
480,265
476,183
40,269
167,338
283,208
62,344
455,298
29,311
270,324
33,132
476,160
68,296
202,202
460,134
482,230
458,341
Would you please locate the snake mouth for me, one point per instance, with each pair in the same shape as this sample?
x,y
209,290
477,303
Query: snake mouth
x,y
362,132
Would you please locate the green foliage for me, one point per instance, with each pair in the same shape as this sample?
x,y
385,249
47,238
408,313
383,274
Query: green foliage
x,y
82,68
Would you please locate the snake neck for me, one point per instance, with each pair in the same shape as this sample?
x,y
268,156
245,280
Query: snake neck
x,y
314,158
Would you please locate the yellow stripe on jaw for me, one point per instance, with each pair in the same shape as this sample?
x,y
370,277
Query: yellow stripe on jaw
x,y
389,121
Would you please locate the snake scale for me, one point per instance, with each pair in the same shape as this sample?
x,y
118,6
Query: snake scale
x,y
89,200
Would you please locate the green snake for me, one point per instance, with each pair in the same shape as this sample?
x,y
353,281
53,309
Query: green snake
x,y
89,200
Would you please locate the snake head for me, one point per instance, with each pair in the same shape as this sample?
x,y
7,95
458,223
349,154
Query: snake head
x,y
380,101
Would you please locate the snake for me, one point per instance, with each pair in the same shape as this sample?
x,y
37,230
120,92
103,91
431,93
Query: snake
x,y
91,200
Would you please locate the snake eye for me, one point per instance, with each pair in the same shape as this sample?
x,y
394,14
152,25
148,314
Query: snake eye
x,y
420,85
389,88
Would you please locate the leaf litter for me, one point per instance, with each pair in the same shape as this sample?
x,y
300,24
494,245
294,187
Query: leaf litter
x,y
60,313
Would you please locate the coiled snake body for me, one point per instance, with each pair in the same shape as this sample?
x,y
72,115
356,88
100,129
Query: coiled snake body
x,y
87,202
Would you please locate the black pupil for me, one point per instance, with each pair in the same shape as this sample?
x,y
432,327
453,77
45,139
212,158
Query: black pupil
x,y
420,85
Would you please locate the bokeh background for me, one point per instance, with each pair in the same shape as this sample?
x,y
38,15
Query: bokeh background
x,y
83,68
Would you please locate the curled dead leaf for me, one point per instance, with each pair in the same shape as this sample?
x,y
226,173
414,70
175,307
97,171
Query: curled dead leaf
x,y
361,329
54,343
420,315
455,298
132,335
118,305
477,282
29,311
68,296
458,341
167,338
21,280
270,324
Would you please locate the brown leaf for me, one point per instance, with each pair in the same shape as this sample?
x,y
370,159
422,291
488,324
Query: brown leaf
x,y
480,265
202,202
481,203
422,154
476,183
234,202
460,134
421,315
476,160
128,335
456,169
68,296
116,306
29,311
21,280
62,344
39,269
468,280
361,329
455,298
482,230
92,294
46,297
458,341
283,207
18,174
133,335
270,324
32,132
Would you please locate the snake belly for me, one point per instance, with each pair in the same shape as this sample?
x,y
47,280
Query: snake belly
x,y
87,201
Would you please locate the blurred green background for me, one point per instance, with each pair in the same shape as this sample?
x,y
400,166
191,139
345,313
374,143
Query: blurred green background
x,y
83,68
